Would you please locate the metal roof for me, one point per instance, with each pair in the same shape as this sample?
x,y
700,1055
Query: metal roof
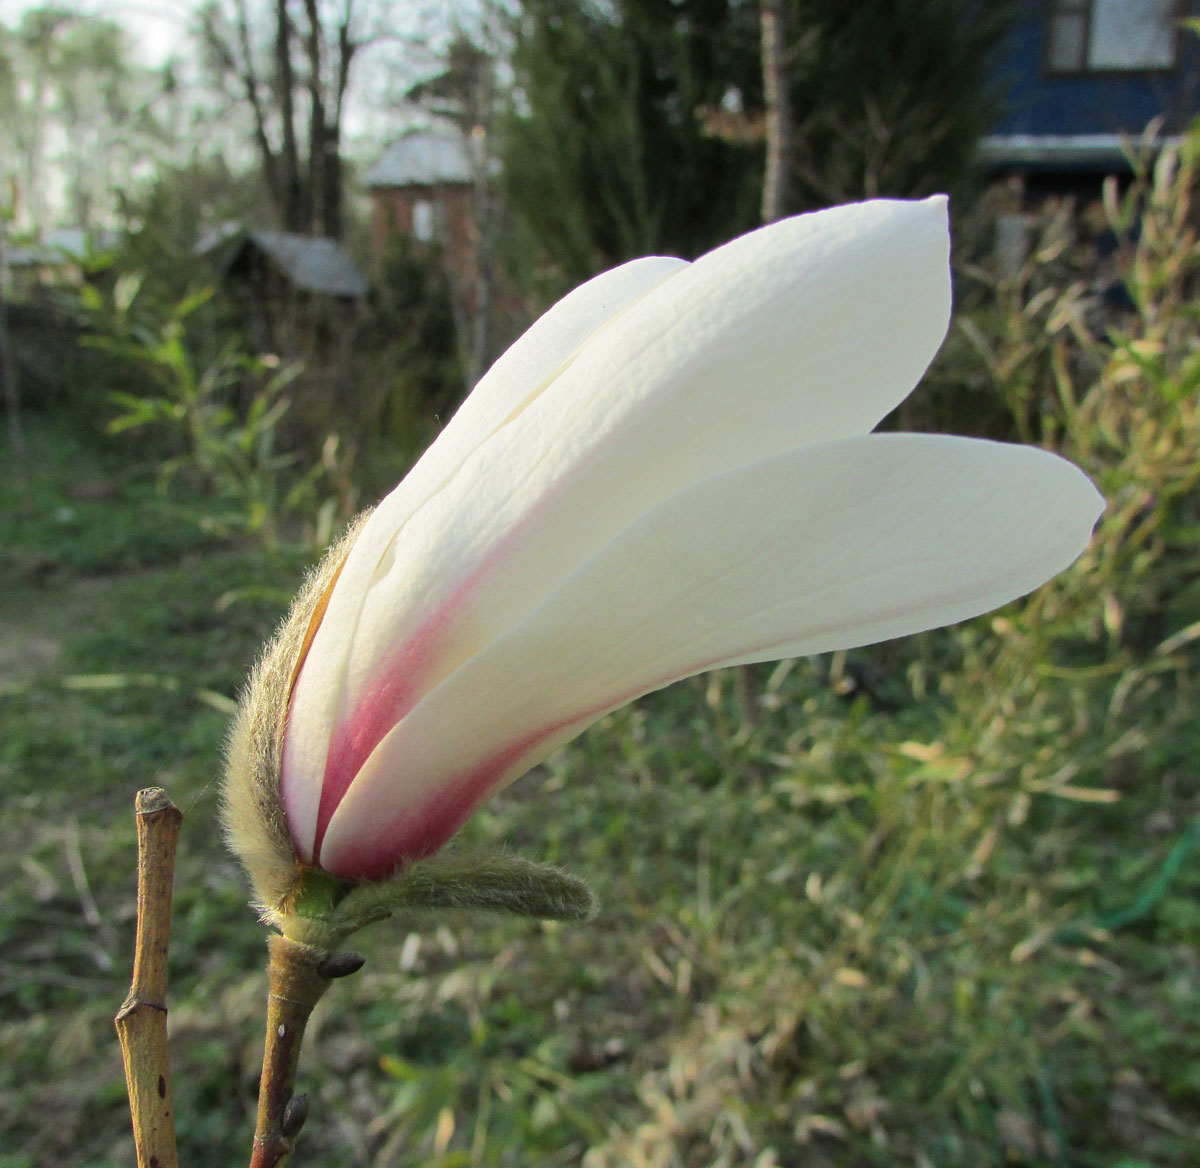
x,y
423,158
313,264
316,265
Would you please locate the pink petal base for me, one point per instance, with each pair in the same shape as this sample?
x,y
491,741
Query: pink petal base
x,y
415,833
400,684
397,840
352,742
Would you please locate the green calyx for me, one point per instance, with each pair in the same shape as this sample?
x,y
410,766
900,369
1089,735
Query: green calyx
x,y
318,894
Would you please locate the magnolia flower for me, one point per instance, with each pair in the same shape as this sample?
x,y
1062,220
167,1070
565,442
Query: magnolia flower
x,y
672,470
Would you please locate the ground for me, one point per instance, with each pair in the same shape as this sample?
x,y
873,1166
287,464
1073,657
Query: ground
x,y
846,917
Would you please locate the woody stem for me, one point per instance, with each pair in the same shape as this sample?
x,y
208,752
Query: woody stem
x,y
297,976
142,1020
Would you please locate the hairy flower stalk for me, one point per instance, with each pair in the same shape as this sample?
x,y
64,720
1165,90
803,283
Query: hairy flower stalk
x,y
673,470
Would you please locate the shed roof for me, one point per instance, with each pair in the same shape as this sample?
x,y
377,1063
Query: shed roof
x,y
313,264
423,158
316,265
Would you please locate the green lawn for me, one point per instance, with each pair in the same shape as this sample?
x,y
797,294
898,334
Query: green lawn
x,y
930,904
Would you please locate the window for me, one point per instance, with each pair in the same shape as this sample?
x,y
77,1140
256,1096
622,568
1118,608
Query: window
x,y
1066,40
1110,36
423,226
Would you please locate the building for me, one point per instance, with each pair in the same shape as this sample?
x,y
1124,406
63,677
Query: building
x,y
424,188
299,299
1080,79
62,257
292,290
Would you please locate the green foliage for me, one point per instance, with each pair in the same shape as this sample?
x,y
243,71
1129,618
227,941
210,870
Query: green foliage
x,y
636,127
406,364
985,885
605,153
890,98
168,217
230,447
69,524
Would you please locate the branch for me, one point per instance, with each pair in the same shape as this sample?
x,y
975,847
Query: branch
x,y
298,975
347,47
142,1019
249,78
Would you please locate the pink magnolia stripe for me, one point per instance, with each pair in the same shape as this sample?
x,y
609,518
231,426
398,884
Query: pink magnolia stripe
x,y
378,853
398,685
385,702
411,670
405,676
406,837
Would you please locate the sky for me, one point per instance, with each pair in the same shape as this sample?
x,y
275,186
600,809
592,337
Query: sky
x,y
157,29
160,30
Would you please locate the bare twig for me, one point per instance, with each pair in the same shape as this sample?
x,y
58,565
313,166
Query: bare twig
x,y
297,977
142,1020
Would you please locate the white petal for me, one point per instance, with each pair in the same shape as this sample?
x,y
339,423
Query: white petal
x,y
523,372
807,330
828,547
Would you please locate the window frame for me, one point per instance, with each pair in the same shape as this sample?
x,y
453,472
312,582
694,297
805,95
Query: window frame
x,y
1087,9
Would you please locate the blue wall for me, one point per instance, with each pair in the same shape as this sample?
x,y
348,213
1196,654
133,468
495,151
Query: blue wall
x,y
1095,104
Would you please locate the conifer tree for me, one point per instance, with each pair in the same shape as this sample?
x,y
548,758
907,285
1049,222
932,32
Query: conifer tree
x,y
638,126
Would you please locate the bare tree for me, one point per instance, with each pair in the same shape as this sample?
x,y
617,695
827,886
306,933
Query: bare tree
x,y
290,67
76,114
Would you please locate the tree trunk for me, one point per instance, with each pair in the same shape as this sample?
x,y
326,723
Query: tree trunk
x,y
331,169
331,190
778,112
318,131
296,193
8,371
247,75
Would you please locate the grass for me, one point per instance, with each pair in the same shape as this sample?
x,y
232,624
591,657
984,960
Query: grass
x,y
851,923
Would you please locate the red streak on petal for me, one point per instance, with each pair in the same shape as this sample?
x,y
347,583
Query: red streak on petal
x,y
381,706
402,837
412,833
399,685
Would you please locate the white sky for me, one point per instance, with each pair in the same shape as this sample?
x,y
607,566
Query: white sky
x,y
157,29
160,30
